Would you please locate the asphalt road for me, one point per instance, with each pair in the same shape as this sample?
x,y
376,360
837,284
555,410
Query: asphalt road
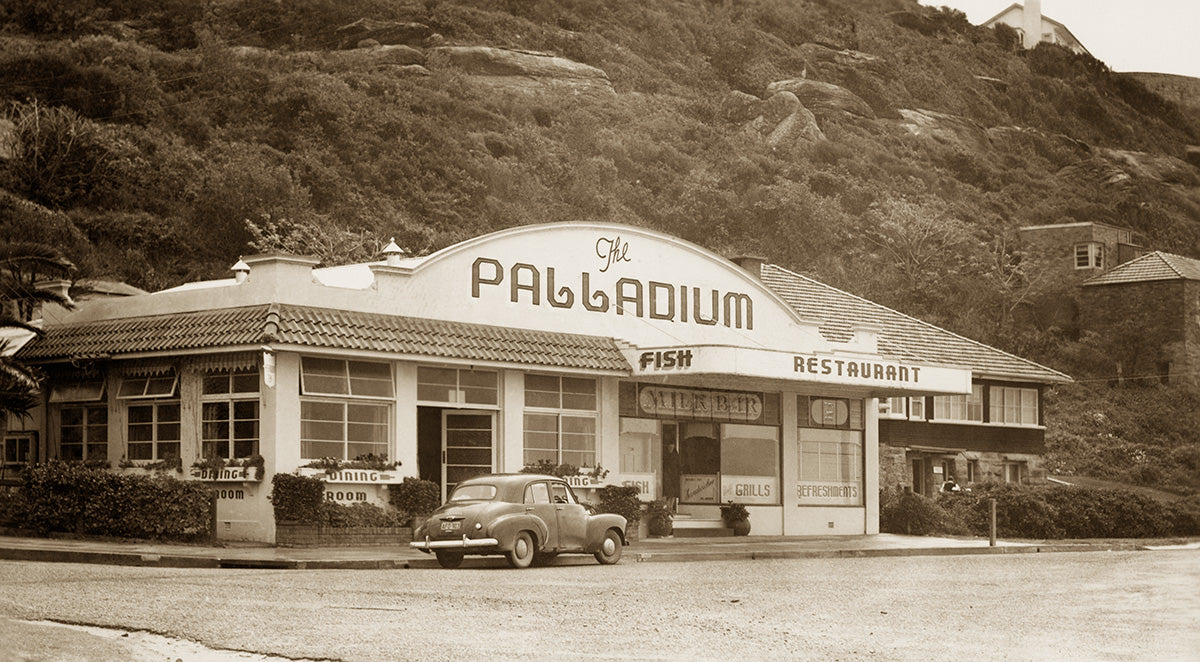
x,y
1060,606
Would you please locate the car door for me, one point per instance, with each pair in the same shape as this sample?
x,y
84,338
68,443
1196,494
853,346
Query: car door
x,y
537,503
572,517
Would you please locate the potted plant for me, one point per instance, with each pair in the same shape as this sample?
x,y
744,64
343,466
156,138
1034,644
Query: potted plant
x,y
736,517
659,518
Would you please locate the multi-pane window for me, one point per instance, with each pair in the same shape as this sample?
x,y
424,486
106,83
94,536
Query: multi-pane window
x,y
960,407
347,413
83,432
229,414
338,377
83,420
153,429
913,408
1089,255
472,387
19,448
560,420
151,416
1012,405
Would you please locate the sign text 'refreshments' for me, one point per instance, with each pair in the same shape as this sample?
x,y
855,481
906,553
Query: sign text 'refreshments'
x,y
629,296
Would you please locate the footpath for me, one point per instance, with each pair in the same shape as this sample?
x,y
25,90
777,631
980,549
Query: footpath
x,y
246,555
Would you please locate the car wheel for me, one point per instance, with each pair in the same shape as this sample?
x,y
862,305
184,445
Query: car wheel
x,y
449,559
522,552
610,549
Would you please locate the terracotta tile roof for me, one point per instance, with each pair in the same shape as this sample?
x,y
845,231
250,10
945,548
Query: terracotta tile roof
x,y
320,327
901,337
1151,266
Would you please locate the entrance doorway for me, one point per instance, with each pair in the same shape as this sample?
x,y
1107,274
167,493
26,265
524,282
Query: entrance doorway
x,y
454,445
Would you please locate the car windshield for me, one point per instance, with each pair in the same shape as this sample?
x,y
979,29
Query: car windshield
x,y
474,492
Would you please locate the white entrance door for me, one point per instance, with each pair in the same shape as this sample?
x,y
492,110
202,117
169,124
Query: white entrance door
x,y
468,446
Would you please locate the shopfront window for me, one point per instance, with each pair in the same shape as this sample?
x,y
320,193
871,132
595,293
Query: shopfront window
x,y
229,414
352,425
830,452
700,446
560,420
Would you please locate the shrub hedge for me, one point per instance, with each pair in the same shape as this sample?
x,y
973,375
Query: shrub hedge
x,y
1042,512
622,500
70,498
415,497
302,499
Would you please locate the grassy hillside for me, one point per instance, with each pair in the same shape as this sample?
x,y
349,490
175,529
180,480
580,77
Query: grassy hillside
x,y
157,141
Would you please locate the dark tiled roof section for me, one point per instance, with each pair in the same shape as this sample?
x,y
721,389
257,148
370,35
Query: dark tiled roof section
x,y
320,327
1151,266
186,331
901,338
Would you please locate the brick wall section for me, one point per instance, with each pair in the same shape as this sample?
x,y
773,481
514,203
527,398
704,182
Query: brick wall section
x,y
1149,323
305,535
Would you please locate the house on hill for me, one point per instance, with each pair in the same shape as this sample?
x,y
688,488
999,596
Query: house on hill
x,y
1149,308
1035,27
1071,253
697,379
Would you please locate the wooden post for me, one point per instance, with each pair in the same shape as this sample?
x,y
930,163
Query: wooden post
x,y
992,510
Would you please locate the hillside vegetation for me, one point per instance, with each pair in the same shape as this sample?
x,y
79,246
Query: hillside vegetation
x,y
883,147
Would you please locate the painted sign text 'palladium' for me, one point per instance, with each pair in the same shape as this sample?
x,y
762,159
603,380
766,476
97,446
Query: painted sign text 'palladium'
x,y
657,300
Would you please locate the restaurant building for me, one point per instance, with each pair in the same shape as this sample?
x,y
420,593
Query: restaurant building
x,y
698,379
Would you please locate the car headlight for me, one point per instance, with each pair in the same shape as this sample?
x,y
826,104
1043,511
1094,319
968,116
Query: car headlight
x,y
478,526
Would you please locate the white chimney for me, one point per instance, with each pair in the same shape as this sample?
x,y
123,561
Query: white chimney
x,y
1031,23
240,271
393,253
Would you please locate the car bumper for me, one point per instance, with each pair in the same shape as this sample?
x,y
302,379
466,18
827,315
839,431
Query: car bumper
x,y
428,545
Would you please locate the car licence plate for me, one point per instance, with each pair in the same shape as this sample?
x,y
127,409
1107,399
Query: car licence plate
x,y
451,527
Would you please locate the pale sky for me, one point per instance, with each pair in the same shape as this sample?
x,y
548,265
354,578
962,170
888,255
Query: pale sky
x,y
1128,35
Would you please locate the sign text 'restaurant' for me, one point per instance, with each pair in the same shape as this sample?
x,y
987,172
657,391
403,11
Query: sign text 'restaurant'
x,y
815,365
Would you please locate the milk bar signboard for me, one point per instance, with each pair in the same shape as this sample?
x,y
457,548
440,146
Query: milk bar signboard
x,y
691,404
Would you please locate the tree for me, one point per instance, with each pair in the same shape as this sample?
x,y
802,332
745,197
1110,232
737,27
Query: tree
x,y
22,266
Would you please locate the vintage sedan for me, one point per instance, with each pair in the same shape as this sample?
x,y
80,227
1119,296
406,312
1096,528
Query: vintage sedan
x,y
529,518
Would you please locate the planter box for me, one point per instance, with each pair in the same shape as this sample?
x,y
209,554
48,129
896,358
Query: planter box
x,y
311,535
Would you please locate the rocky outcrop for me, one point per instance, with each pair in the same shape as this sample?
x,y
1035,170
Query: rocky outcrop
x,y
823,98
384,33
946,129
396,56
1013,136
1154,167
779,120
1121,168
821,54
522,70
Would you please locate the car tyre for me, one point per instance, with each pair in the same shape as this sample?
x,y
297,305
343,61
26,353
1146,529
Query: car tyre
x,y
449,559
523,550
611,549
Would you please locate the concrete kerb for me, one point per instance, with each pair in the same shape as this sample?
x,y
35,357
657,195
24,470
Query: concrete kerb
x,y
388,559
